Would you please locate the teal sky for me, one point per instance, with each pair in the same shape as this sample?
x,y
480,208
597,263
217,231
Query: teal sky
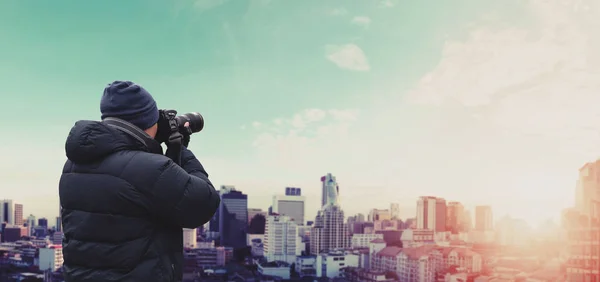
x,y
396,98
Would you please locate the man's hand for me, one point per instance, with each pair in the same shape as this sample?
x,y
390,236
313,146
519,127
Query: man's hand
x,y
186,137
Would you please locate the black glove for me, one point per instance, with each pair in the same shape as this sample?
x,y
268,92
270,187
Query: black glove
x,y
164,129
186,131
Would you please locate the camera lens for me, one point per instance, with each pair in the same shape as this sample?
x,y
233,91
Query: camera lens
x,y
196,121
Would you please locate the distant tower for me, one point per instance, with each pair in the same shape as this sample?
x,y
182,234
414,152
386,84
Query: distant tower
x,y
395,211
329,191
18,215
329,231
290,204
431,213
7,212
483,218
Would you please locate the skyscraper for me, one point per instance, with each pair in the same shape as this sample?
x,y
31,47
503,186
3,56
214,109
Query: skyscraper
x,y
377,215
281,239
31,221
484,220
431,213
18,215
395,211
329,232
454,217
291,205
43,222
583,226
329,191
7,212
233,217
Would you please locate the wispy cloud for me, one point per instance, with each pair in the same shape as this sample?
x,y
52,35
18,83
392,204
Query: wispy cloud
x,y
295,140
339,12
386,3
361,21
348,56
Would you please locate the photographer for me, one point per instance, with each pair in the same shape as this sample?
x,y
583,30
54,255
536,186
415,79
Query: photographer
x,y
124,203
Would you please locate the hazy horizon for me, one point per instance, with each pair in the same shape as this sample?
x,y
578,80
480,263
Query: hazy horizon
x,y
481,102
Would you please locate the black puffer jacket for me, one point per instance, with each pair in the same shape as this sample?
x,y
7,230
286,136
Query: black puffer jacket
x,y
123,208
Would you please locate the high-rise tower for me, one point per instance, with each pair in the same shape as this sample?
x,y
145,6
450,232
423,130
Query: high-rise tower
x,y
330,190
329,231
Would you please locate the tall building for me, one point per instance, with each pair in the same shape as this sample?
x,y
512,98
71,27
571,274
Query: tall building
x,y
329,231
31,221
484,220
454,217
290,205
233,217
583,226
431,213
7,212
252,212
58,224
281,239
329,190
43,222
190,238
395,210
377,215
18,215
467,221
51,258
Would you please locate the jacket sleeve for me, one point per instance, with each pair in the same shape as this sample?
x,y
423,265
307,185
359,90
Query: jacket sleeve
x,y
183,195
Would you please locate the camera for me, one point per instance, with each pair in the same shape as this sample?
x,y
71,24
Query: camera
x,y
170,123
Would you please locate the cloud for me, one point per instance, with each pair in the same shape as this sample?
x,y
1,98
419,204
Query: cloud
x,y
256,124
348,56
386,3
361,21
339,12
510,112
303,136
542,82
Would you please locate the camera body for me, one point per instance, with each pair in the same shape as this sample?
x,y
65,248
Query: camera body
x,y
169,124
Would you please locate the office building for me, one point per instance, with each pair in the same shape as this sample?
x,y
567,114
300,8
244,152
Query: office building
x,y
290,205
431,213
281,240
51,258
484,220
329,189
18,215
395,210
7,212
378,215
582,224
329,231
254,212
454,217
43,222
58,224
232,217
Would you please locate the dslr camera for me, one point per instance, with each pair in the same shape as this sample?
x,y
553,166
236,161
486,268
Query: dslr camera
x,y
173,131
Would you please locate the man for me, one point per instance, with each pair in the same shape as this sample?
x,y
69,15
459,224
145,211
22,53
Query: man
x,y
124,203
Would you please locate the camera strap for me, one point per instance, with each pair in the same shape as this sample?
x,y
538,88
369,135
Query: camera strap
x,y
152,145
175,147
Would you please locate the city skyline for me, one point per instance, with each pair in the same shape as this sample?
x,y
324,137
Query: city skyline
x,y
491,102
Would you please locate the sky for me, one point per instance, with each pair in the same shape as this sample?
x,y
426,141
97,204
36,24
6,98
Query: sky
x,y
482,102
